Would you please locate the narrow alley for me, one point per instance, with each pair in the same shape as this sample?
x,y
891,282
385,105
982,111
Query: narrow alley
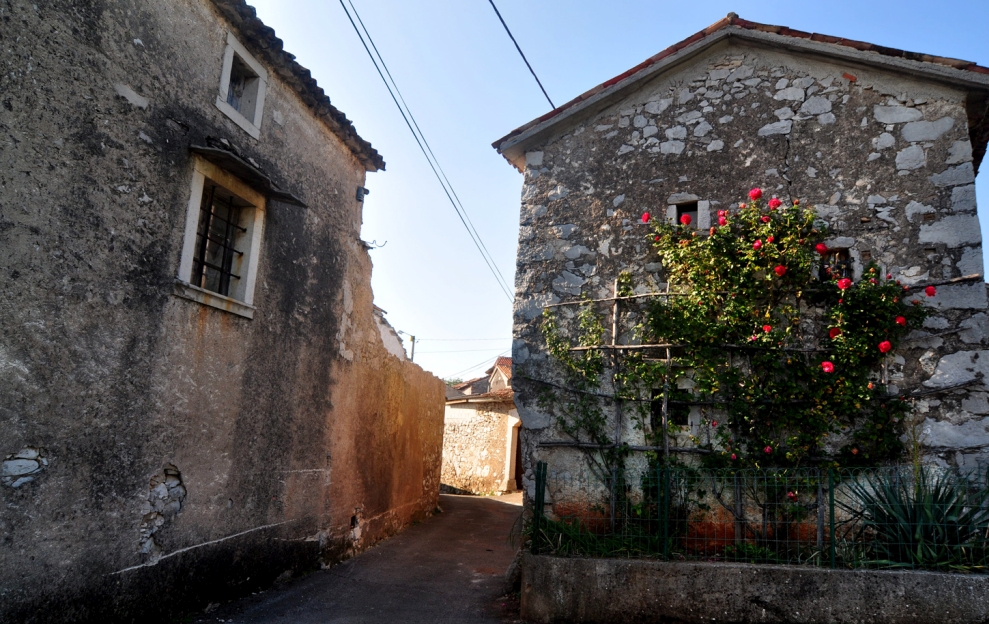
x,y
449,568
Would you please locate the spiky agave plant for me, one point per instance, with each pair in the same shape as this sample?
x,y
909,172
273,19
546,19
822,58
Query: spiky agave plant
x,y
922,518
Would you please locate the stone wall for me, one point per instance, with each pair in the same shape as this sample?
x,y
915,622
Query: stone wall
x,y
158,454
884,158
475,437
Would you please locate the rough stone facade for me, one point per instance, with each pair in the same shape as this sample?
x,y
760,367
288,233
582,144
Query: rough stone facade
x,y
158,453
479,446
883,150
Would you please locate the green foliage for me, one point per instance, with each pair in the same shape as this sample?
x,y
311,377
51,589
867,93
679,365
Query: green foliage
x,y
927,519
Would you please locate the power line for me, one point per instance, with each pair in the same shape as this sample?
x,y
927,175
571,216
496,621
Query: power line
x,y
462,351
482,363
463,339
531,71
424,147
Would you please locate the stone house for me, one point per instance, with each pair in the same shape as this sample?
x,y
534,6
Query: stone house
x,y
481,435
196,393
885,144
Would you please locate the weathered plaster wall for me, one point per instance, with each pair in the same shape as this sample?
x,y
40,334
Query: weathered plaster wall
x,y
884,158
475,447
179,454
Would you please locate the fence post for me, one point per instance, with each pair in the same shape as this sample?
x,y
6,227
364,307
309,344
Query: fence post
x,y
831,508
537,504
664,501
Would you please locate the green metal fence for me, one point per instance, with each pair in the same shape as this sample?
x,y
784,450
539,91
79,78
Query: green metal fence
x,y
890,517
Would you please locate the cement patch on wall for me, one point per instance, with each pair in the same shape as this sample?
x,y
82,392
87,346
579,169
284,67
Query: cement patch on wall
x,y
557,589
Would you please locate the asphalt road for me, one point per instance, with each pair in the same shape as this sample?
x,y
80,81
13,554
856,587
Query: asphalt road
x,y
449,568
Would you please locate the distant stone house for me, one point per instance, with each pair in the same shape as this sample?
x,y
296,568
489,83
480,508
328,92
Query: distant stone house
x,y
481,434
196,393
885,145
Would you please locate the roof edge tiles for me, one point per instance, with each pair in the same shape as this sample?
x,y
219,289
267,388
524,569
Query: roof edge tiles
x,y
263,42
945,69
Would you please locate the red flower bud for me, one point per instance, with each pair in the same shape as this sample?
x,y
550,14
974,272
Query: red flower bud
x,y
791,495
714,423
645,217
685,219
767,328
774,203
840,301
722,221
796,202
872,280
855,451
827,367
889,276
930,291
821,248
767,450
741,205
844,283
711,231
765,218
734,457
901,321
755,193
885,346
780,270
656,239
757,245
833,333
770,239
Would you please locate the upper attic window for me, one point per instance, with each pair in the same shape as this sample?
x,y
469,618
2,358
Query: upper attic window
x,y
243,82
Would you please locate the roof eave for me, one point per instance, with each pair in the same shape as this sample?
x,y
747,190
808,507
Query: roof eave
x,y
514,145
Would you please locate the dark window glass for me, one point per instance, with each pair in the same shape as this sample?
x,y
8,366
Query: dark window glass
x,y
688,209
216,239
836,264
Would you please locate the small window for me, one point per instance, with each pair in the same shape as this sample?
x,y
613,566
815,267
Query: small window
x,y
689,209
677,412
243,82
836,265
224,223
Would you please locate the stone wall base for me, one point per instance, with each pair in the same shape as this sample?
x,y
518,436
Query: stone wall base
x,y
556,589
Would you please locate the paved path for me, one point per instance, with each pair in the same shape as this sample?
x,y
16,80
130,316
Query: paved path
x,y
449,568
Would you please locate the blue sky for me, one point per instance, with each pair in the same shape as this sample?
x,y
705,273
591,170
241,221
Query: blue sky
x,y
466,86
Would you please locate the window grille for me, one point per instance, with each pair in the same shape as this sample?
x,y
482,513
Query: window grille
x,y
216,240
836,265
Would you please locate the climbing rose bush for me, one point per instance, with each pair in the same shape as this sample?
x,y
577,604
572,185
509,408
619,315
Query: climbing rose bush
x,y
781,358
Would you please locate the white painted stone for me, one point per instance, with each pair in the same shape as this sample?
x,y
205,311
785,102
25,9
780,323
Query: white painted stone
x,y
976,403
676,132
617,201
535,159
685,96
959,152
804,82
926,130
531,307
740,74
672,147
952,230
909,158
558,193
826,119
640,121
782,83
680,198
790,93
18,467
780,127
783,113
971,261
649,131
955,176
884,141
936,322
624,122
690,117
715,146
970,434
816,105
718,74
896,114
658,106
916,208
963,198
702,129
975,328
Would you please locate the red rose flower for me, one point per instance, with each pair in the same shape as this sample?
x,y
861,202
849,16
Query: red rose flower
x,y
645,217
722,213
791,495
833,333
714,423
656,239
767,328
741,205
755,193
885,346
930,291
770,239
722,221
711,231
827,367
757,245
765,218
734,457
821,248
767,450
685,219
844,283
774,203
889,276
872,280
901,321
780,270
840,301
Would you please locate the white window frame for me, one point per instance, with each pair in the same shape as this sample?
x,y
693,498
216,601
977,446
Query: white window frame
x,y
234,48
241,299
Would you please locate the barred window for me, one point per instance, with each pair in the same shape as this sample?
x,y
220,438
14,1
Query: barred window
x,y
218,259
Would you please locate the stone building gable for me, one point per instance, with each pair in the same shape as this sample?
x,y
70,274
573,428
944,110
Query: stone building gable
x,y
886,159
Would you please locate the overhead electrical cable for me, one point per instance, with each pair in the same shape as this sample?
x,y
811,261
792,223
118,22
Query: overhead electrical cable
x,y
517,47
424,147
482,363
